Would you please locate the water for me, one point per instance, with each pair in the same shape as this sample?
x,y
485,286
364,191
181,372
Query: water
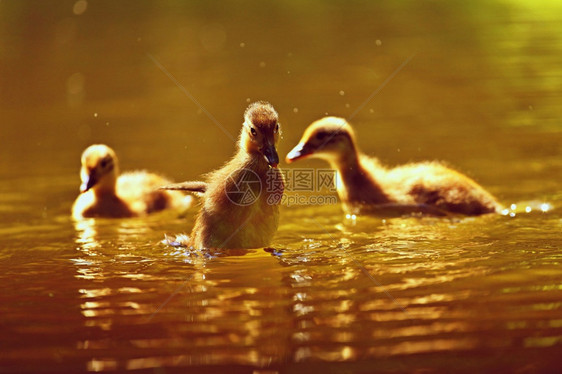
x,y
479,88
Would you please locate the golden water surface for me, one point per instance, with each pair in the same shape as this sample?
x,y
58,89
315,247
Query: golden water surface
x,y
475,83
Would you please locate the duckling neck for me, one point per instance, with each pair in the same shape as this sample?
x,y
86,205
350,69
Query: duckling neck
x,y
252,160
354,183
106,188
104,192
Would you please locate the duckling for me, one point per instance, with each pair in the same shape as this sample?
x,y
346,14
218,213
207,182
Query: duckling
x,y
364,185
240,204
105,193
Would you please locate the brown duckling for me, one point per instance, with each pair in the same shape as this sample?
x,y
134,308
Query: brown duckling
x,y
106,193
366,186
240,200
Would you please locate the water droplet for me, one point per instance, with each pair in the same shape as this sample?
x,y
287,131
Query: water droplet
x,y
262,64
347,105
248,100
545,207
95,115
295,110
528,209
79,7
371,111
242,45
378,42
342,92
513,206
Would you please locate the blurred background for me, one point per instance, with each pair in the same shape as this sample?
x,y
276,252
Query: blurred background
x,y
481,87
477,84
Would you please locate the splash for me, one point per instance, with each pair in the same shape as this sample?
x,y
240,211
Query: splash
x,y
527,207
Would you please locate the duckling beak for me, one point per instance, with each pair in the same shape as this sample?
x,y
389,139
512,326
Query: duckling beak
x,y
271,156
301,150
90,182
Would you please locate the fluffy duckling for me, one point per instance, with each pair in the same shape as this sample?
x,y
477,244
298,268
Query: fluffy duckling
x,y
366,186
240,200
105,193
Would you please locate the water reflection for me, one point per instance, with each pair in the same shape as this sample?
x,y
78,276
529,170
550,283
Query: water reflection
x,y
339,308
337,292
202,308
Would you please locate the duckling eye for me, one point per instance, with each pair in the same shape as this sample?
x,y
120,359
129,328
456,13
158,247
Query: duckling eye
x,y
321,135
103,164
253,131
276,128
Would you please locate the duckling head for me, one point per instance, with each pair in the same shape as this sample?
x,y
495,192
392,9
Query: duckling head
x,y
99,168
330,138
261,132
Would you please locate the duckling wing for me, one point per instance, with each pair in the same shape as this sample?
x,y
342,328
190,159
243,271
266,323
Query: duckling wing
x,y
434,184
193,186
